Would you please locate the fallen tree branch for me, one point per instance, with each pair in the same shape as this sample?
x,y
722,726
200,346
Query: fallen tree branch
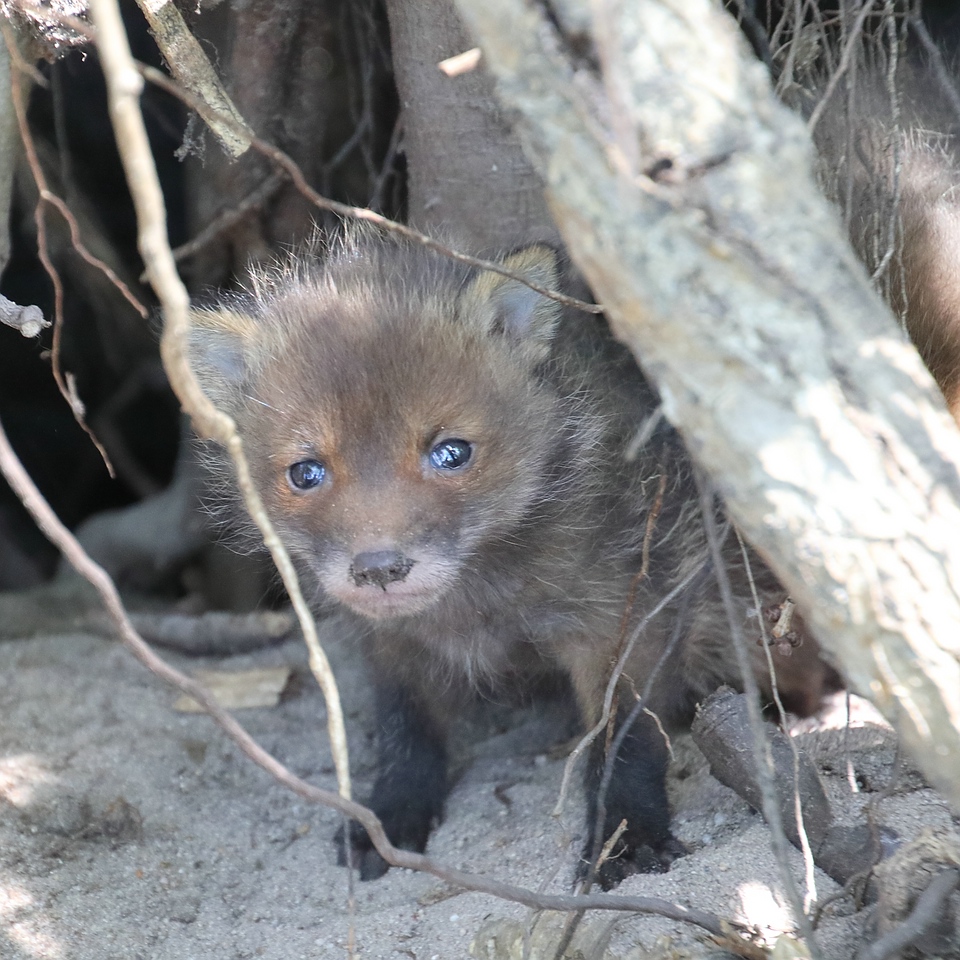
x,y
189,64
722,731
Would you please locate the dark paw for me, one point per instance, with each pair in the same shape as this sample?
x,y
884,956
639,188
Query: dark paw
x,y
407,829
360,854
628,858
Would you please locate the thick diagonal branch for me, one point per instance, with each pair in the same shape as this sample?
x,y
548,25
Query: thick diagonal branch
x,y
686,195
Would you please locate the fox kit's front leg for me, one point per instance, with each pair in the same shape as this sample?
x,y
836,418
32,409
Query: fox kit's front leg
x,y
411,782
625,778
626,781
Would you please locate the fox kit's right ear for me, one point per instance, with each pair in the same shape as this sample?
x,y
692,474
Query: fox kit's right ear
x,y
220,351
504,307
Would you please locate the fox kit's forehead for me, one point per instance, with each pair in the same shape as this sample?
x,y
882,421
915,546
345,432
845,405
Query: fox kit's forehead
x,y
386,341
368,279
333,321
396,381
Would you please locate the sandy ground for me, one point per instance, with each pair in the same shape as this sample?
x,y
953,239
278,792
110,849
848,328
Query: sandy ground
x,y
128,830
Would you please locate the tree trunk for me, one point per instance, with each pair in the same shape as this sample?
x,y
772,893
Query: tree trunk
x,y
308,76
467,174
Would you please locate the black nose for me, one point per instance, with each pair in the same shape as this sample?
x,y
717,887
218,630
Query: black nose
x,y
379,567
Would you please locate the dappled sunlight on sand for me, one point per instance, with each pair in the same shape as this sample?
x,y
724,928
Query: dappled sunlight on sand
x,y
22,932
20,776
765,909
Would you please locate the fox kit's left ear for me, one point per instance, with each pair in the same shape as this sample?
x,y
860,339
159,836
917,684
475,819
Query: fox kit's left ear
x,y
222,346
505,307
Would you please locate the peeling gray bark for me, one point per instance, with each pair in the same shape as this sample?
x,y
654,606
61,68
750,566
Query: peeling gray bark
x,y
685,194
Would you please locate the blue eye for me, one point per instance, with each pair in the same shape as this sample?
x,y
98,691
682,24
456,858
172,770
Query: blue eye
x,y
451,454
306,474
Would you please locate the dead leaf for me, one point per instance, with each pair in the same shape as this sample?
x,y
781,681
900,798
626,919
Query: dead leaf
x,y
237,690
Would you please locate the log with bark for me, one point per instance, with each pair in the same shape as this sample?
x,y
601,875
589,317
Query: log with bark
x,y
685,193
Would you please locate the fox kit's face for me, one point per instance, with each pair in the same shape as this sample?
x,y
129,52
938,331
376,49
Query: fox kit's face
x,y
392,429
385,458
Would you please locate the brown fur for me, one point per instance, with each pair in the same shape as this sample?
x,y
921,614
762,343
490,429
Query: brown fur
x,y
522,562
903,186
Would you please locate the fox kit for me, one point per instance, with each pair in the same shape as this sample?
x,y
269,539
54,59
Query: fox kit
x,y
451,459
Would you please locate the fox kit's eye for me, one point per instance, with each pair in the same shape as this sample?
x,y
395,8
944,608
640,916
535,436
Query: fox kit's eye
x,y
451,454
306,474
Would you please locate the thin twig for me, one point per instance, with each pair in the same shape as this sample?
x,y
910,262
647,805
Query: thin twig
x,y
641,575
811,877
756,34
66,388
94,261
644,432
611,843
348,146
944,79
226,219
615,675
48,196
61,136
896,154
762,758
124,86
386,168
27,68
849,48
574,919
